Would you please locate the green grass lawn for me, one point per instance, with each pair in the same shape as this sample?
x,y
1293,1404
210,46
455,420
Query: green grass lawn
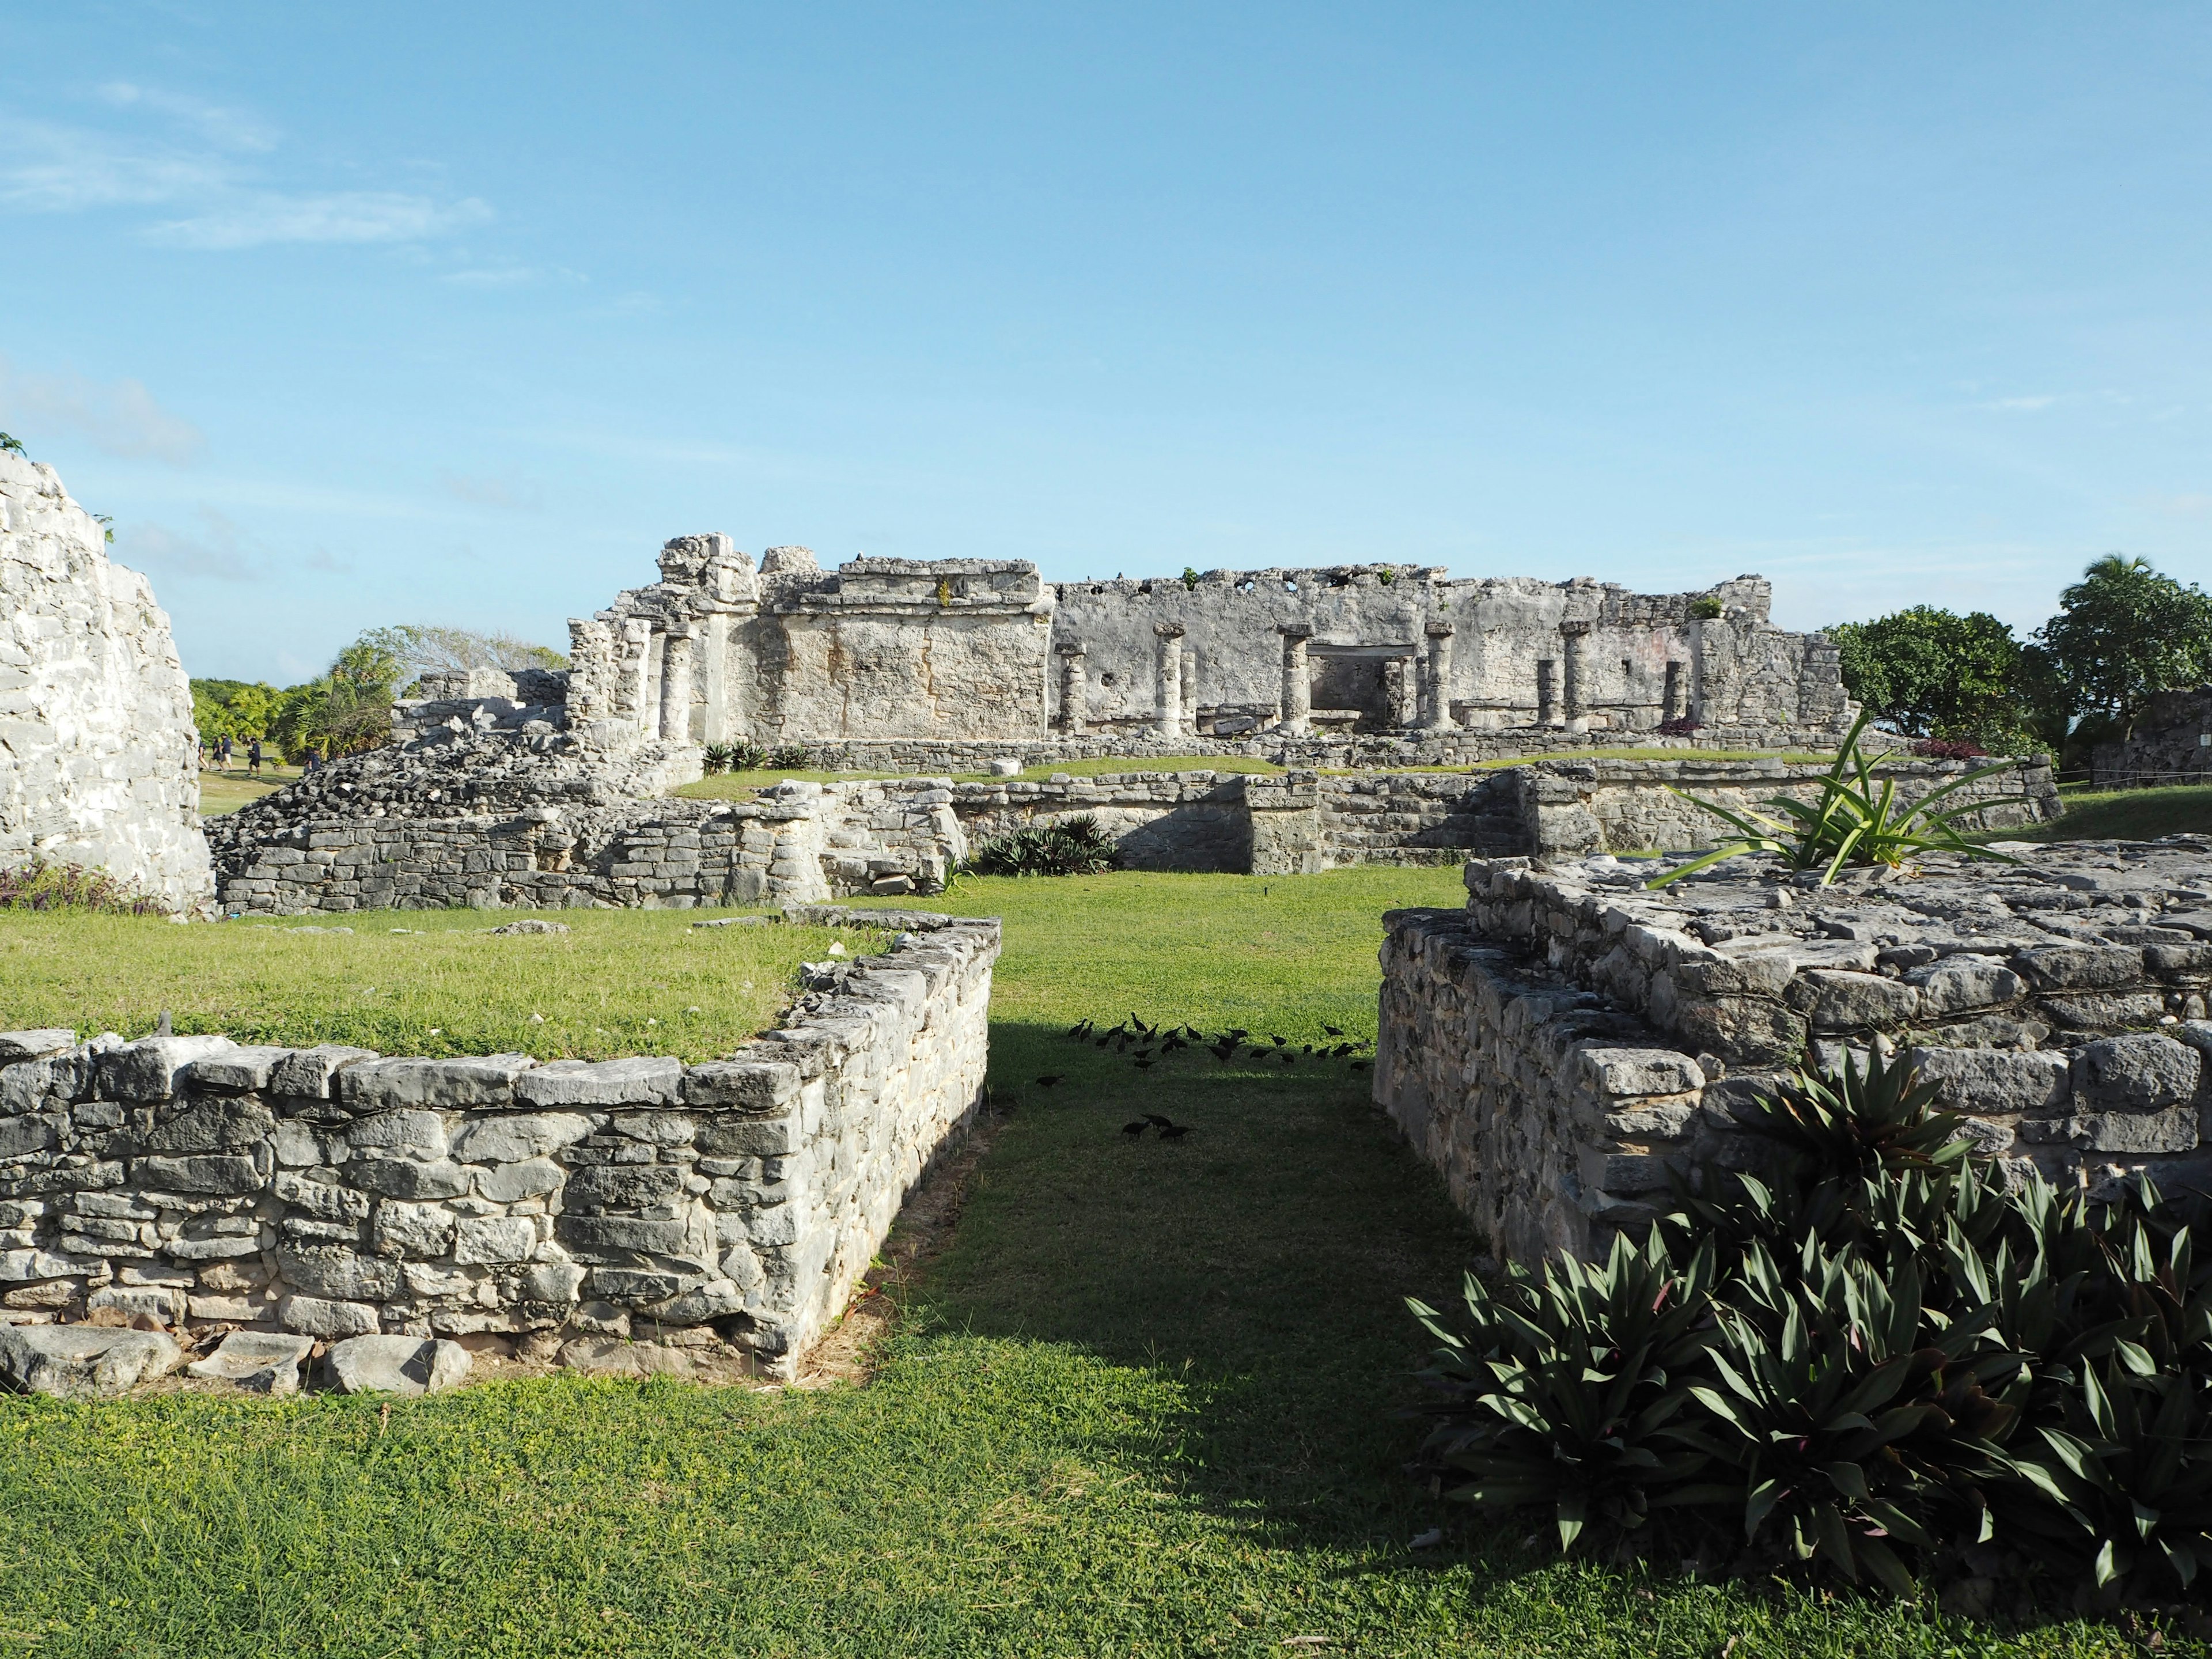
x,y
2123,815
1142,1404
413,982
226,792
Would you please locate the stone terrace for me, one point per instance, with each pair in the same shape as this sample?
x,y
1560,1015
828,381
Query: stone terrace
x,y
1555,1046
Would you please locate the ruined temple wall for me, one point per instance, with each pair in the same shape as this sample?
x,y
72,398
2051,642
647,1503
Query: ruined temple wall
x,y
2171,744
946,676
98,756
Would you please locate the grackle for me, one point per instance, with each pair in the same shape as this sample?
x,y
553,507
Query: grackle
x,y
1047,1082
1175,1131
1155,1118
1332,1031
1136,1128
1279,1042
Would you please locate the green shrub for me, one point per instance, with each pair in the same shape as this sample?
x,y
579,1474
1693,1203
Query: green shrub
x,y
1860,1360
1072,846
1856,821
787,757
717,759
1707,608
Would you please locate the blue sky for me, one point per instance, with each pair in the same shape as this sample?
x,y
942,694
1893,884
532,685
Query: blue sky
x,y
454,313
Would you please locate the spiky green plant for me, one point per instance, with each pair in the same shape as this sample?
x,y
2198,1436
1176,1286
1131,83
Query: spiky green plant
x,y
1568,1390
1856,820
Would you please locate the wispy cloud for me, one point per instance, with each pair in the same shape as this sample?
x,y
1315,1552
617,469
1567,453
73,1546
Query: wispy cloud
x,y
118,417
209,165
356,216
514,494
217,552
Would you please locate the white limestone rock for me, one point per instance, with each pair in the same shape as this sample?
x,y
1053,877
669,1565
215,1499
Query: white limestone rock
x,y
82,1361
264,1362
98,763
396,1365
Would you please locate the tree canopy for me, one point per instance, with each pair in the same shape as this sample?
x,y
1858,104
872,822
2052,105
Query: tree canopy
x,y
1928,672
2122,633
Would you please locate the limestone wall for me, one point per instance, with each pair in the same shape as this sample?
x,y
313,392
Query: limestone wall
x,y
2061,1004
798,844
733,1204
98,758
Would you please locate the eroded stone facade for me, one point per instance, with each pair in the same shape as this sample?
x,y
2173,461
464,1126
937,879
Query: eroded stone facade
x,y
99,762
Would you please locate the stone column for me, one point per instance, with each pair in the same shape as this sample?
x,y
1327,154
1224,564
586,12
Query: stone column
x,y
637,701
1168,707
1436,682
1297,680
1572,635
676,688
1074,689
1673,706
1547,673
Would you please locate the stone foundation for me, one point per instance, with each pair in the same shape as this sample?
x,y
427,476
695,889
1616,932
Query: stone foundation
x,y
1555,1046
332,1192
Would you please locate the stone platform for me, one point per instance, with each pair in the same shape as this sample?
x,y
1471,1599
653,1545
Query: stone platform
x,y
1555,1046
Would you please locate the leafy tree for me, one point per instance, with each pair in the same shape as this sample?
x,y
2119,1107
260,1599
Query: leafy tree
x,y
11,444
1928,672
347,710
238,710
2123,632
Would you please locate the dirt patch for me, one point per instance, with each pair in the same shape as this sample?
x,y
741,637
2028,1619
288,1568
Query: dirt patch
x,y
846,1352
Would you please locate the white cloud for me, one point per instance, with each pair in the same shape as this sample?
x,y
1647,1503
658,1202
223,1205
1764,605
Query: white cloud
x,y
358,216
227,129
216,553
118,417
197,166
514,494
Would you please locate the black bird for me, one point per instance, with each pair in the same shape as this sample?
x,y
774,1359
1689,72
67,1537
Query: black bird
x,y
1175,1131
1359,1065
1104,1041
1081,1028
1156,1119
1240,1033
1143,1065
1279,1041
1222,1051
1136,1128
1332,1031
1307,1049
1047,1082
1143,1054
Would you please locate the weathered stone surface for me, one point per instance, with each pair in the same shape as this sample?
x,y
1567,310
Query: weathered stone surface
x,y
511,1137
309,1072
266,1362
642,1081
396,1365
34,1045
1995,1079
100,766
320,1316
1843,1002
147,1069
602,1355
1641,1071
1961,983
471,1080
2141,1073
752,1086
82,1361
236,1068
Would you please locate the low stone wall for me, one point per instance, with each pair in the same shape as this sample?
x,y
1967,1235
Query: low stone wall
x,y
796,843
1633,805
331,1192
2060,1002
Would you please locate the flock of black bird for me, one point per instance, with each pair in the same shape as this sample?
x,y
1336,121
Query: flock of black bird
x,y
1154,1043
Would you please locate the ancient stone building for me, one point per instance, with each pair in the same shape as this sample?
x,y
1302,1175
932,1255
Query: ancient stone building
x,y
98,764
962,649
2170,743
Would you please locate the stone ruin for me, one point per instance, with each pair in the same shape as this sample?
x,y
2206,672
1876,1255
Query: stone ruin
x,y
707,1219
985,651
2170,742
98,763
1556,1047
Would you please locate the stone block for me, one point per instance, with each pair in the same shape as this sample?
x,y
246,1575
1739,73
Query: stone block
x,y
318,1317
409,1365
624,1185
420,1232
414,1133
613,1236
748,1086
513,1136
82,1361
214,1173
2079,967
147,1069
403,1178
495,1239
239,1067
308,1073
510,1183
1994,1081
2173,1130
642,1081
34,1045
262,1362
469,1080
1961,983
212,1126
337,1272
1838,1001
2143,1073
1620,1071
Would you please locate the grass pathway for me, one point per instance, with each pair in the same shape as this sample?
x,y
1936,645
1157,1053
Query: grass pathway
x,y
1141,1405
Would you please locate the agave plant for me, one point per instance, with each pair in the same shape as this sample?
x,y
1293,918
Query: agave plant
x,y
717,758
1570,1388
1855,1418
1856,820
1076,846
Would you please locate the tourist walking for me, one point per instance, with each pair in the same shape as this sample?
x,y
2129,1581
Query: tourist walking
x,y
253,759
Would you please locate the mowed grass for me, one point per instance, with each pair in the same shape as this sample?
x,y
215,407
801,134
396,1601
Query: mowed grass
x,y
414,981
2123,815
226,792
1144,1403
